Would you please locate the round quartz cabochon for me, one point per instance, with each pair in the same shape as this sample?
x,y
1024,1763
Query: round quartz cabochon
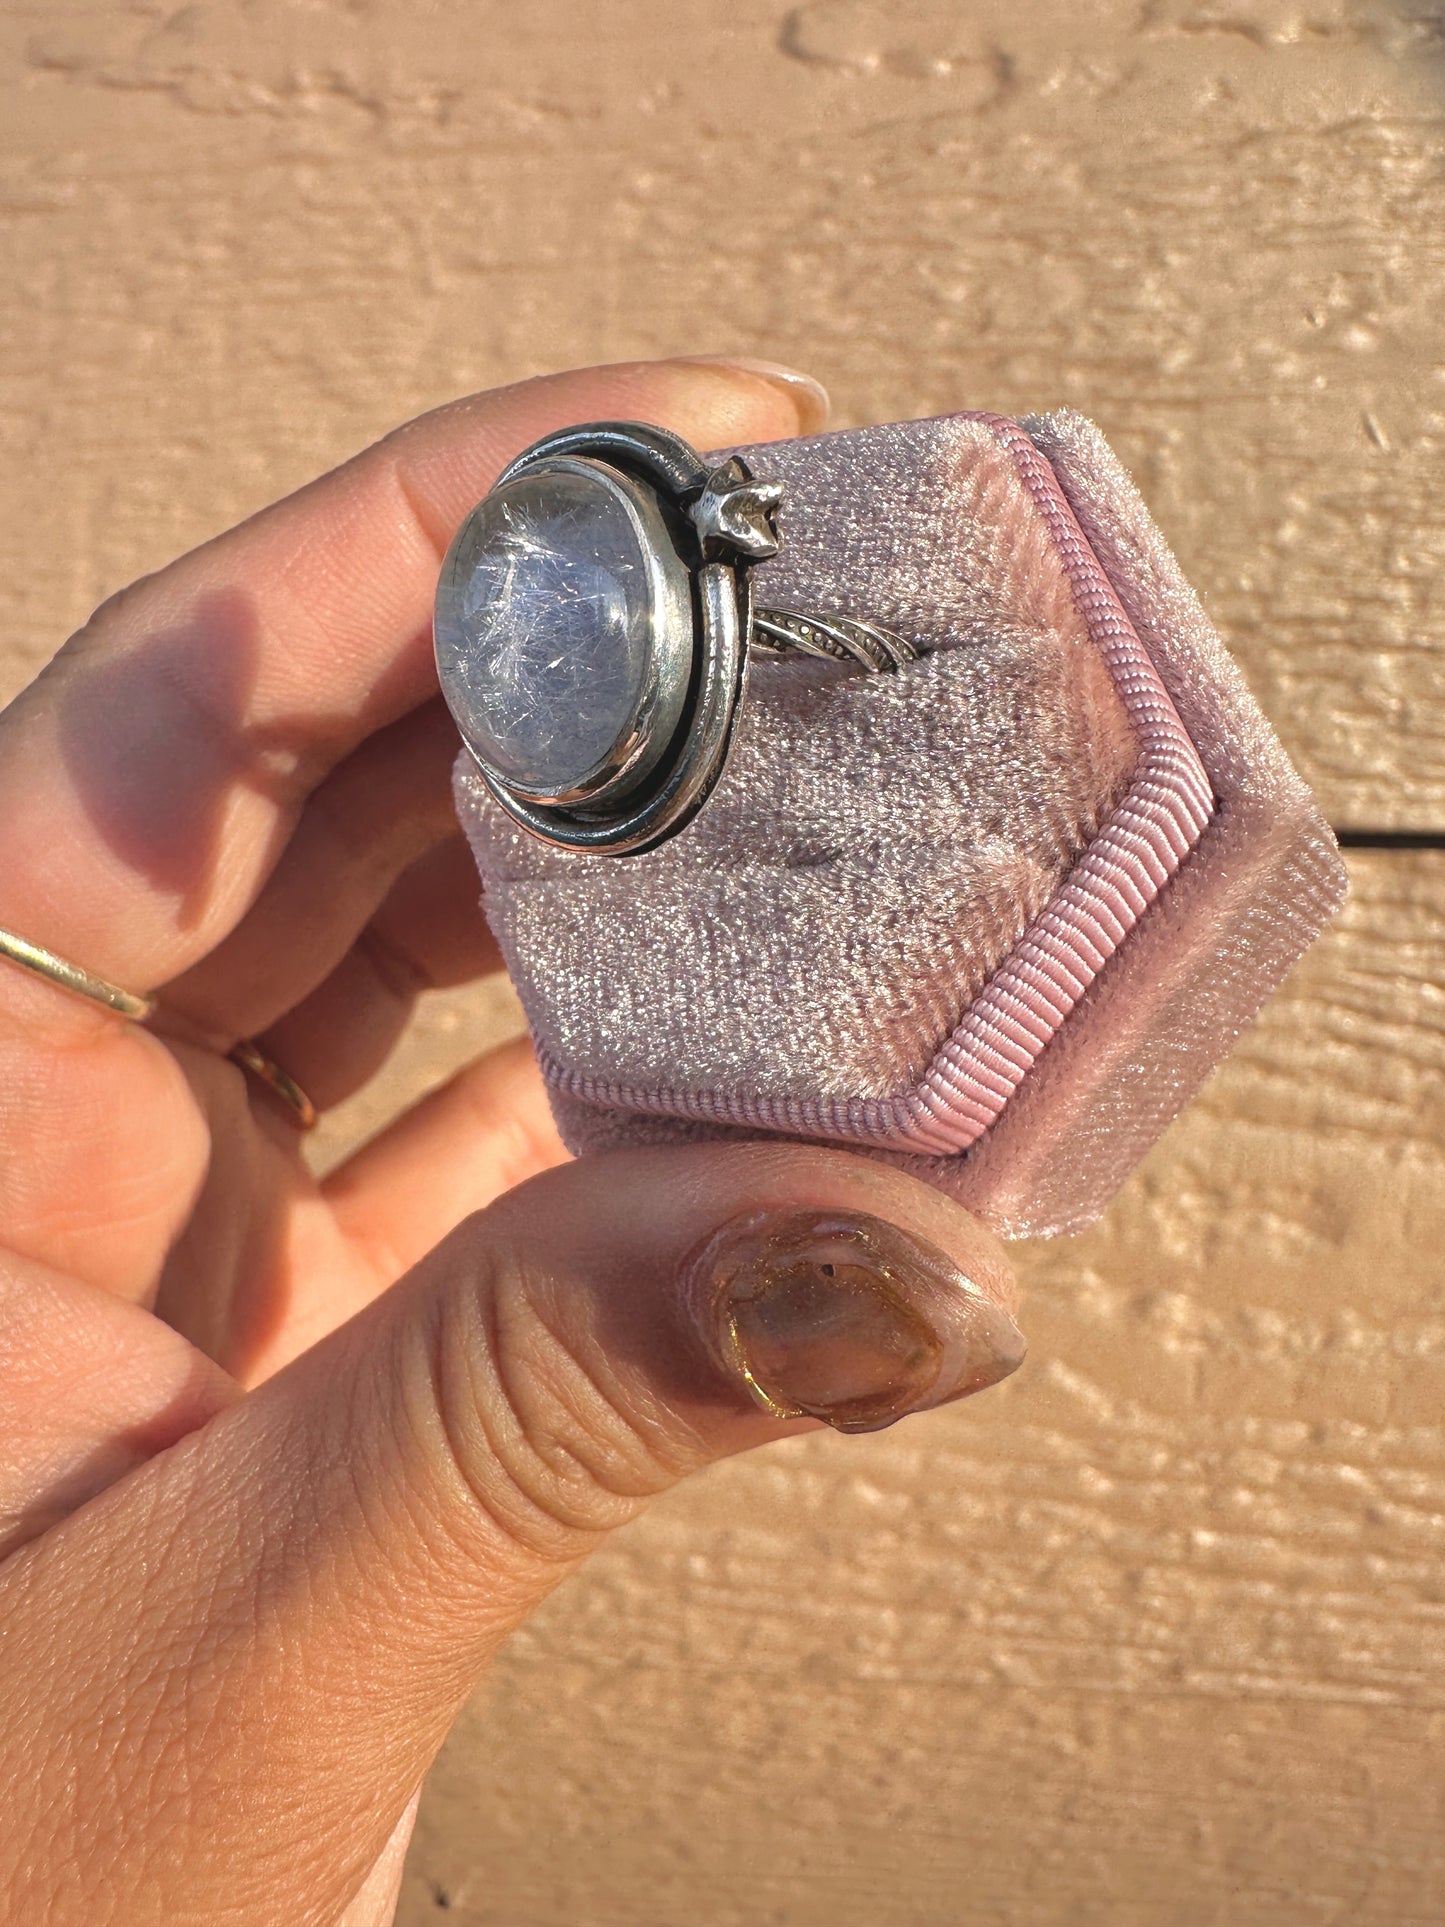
x,y
547,621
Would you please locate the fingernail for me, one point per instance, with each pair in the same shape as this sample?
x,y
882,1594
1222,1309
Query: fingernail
x,y
808,397
839,1316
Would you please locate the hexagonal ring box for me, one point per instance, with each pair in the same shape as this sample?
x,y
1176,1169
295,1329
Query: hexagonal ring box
x,y
994,917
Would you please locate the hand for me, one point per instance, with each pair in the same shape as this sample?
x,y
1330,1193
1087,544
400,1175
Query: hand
x,y
282,1462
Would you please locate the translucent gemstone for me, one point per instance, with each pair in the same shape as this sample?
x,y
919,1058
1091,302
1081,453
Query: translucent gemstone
x,y
544,629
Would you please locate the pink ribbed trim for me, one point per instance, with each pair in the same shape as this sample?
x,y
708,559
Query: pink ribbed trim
x,y
1032,991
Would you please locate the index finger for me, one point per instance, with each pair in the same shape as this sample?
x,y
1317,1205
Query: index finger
x,y
150,776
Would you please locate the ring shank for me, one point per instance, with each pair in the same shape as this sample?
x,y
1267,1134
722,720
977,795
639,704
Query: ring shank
x,y
84,983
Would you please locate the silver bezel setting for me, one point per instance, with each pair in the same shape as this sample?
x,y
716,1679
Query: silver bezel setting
x,y
701,529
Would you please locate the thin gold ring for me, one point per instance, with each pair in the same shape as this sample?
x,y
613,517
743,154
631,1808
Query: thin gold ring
x,y
136,1009
270,1073
45,963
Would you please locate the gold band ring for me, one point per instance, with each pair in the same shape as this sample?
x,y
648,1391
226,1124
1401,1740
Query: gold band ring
x,y
45,963
136,1009
270,1073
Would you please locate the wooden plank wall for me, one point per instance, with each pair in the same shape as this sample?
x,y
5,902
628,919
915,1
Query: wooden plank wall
x,y
1153,1634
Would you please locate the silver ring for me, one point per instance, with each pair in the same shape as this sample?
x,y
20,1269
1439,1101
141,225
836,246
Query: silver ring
x,y
594,620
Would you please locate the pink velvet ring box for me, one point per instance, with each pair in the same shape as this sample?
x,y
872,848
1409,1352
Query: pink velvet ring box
x,y
994,917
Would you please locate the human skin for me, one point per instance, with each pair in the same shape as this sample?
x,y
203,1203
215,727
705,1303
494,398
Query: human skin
x,y
283,1461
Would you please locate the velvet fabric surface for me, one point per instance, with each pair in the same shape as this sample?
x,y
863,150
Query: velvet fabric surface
x,y
995,916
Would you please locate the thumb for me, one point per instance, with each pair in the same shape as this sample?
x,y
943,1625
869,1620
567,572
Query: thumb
x,y
293,1601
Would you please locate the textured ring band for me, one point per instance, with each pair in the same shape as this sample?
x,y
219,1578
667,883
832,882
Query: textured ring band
x,y
136,1009
594,621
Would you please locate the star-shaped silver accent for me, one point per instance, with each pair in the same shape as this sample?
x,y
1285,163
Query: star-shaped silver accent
x,y
735,512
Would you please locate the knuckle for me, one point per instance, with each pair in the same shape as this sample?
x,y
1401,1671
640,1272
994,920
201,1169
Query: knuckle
x,y
99,632
553,1441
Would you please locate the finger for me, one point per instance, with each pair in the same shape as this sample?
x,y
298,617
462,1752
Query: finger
x,y
487,1130
453,1154
151,776
90,1387
105,1140
378,812
429,933
466,1144
293,1602
166,1196
434,917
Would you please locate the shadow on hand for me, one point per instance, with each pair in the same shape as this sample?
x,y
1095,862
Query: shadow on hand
x,y
160,740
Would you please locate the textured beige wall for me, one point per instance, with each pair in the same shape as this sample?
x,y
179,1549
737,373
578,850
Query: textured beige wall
x,y
1155,1633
